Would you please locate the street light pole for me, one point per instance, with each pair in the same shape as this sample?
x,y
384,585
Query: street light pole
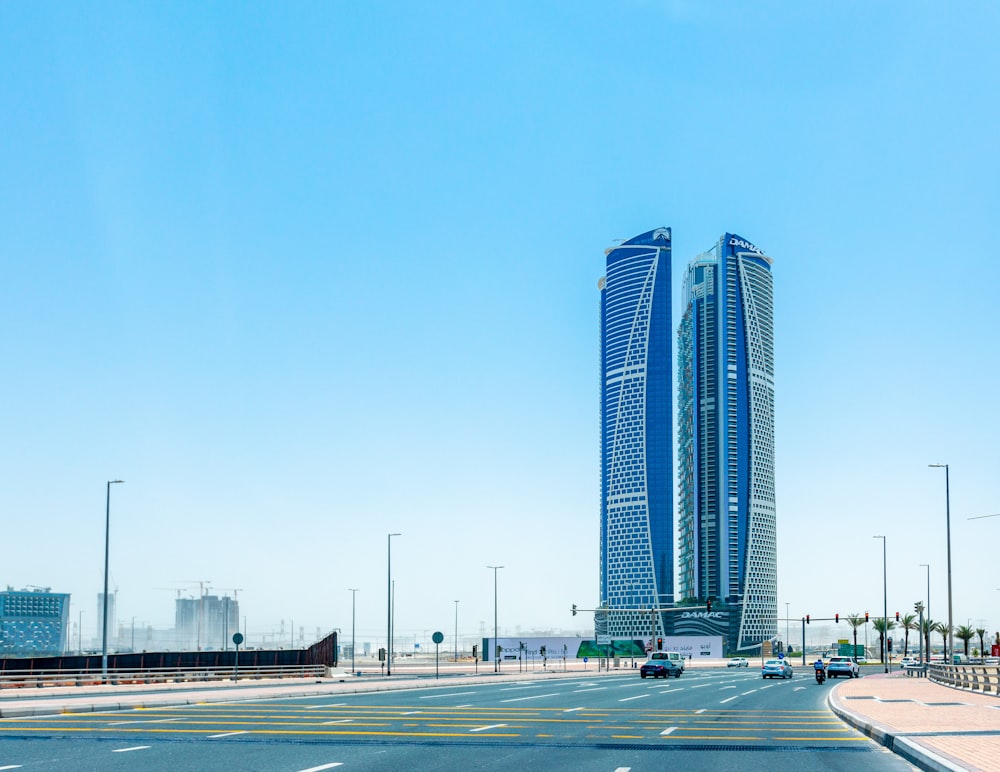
x,y
949,654
788,635
456,631
885,609
496,639
388,651
354,594
107,543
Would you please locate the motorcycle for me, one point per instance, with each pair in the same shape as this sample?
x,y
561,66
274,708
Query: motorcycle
x,y
820,675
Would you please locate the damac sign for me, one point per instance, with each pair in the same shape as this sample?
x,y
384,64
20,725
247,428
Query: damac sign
x,y
735,242
702,615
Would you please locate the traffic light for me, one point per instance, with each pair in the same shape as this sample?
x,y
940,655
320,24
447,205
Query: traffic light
x,y
708,605
807,619
890,645
836,618
659,644
574,609
542,651
381,655
866,617
475,651
897,616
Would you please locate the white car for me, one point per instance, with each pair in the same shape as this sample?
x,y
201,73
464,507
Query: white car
x,y
842,666
738,662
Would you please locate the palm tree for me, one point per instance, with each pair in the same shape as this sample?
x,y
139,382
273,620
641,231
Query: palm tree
x,y
965,633
882,627
982,641
930,626
944,628
908,622
855,621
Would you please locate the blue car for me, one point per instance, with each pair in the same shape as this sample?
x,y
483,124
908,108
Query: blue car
x,y
660,668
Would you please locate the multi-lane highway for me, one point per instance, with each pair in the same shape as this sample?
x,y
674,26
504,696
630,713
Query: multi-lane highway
x,y
707,719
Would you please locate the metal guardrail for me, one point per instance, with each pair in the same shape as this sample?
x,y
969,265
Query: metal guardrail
x,y
975,678
41,678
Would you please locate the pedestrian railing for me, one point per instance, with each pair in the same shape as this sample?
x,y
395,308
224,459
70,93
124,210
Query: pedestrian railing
x,y
41,678
975,678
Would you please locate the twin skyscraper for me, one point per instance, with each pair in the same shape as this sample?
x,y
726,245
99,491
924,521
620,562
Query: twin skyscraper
x,y
721,535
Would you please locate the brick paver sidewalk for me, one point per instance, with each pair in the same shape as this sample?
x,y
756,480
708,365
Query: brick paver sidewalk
x,y
933,726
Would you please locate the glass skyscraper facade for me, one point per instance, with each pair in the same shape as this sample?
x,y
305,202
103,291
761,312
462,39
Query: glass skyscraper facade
x,y
637,555
726,503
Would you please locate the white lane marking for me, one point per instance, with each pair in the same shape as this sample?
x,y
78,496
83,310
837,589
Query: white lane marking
x,y
134,748
532,697
623,769
411,712
12,766
466,705
700,686
798,688
599,688
323,766
484,728
332,705
729,699
226,734
744,694
572,710
338,721
700,710
767,687
515,688
625,686
668,730
439,696
728,687
637,697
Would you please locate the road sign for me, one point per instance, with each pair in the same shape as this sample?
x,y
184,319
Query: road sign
x,y
437,638
237,638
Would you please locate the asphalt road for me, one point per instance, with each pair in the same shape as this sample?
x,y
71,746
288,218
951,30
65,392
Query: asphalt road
x,y
705,720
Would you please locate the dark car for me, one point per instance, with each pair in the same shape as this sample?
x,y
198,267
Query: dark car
x,y
660,668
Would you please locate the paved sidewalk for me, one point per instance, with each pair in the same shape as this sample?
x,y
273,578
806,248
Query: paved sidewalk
x,y
934,727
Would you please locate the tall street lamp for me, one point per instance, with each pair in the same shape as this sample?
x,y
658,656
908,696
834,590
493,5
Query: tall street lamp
x,y
947,515
354,594
107,543
496,639
388,651
788,635
456,631
885,608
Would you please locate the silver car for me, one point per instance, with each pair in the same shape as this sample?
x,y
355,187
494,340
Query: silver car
x,y
776,668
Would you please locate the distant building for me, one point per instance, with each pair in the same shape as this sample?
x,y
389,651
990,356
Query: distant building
x,y
637,517
33,622
726,498
206,623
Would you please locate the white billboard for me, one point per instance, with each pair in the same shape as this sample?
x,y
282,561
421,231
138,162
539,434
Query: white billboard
x,y
694,646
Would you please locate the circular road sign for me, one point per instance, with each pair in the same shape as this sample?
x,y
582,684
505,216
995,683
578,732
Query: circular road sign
x,y
437,638
237,638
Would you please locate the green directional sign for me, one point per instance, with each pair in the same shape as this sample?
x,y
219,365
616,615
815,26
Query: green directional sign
x,y
438,637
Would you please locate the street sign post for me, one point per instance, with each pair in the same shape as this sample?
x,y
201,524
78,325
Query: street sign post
x,y
237,640
438,637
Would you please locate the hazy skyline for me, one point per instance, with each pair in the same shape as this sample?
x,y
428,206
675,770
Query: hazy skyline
x,y
306,275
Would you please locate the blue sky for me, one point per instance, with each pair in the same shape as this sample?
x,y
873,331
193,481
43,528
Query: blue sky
x,y
305,274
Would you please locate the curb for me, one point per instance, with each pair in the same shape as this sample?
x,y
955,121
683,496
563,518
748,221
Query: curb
x,y
901,746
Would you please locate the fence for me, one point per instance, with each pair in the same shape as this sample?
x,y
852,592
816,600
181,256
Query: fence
x,y
975,678
88,677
